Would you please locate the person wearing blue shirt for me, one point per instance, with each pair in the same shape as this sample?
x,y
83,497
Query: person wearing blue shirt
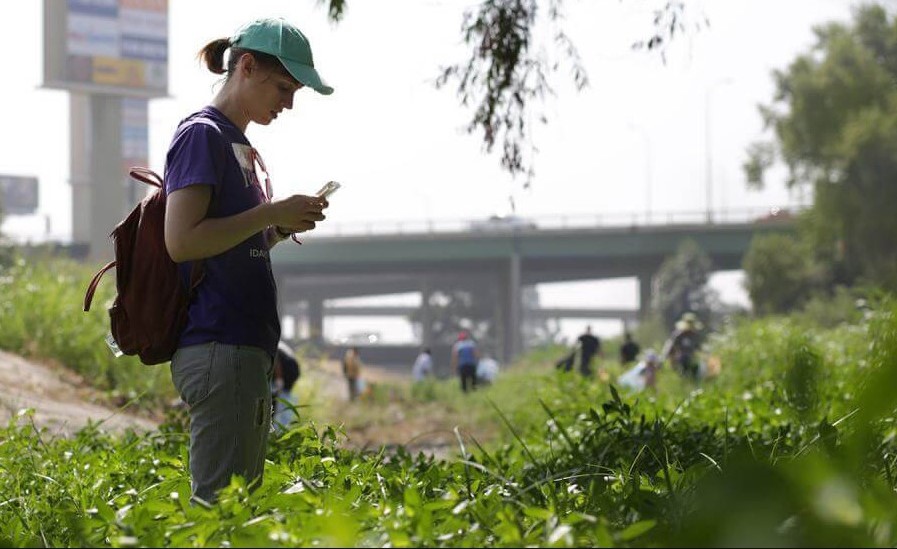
x,y
465,357
218,211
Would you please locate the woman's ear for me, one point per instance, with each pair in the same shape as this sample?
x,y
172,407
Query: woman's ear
x,y
246,65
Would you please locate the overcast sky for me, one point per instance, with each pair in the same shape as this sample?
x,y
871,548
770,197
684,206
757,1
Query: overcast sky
x,y
397,144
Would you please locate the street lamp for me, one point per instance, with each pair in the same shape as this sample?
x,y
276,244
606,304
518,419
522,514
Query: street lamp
x,y
647,142
707,152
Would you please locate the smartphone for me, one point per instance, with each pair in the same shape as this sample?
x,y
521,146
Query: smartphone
x,y
328,189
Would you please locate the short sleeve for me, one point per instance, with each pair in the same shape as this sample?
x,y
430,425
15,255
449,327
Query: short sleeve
x,y
196,157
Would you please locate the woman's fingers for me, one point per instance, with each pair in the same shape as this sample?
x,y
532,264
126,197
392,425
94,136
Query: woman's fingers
x,y
302,226
298,211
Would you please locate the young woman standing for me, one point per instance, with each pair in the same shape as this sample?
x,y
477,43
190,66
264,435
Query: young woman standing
x,y
218,211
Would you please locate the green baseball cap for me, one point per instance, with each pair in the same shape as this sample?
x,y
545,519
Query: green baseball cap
x,y
284,41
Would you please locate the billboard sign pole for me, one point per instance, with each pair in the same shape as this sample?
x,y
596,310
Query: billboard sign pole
x,y
112,57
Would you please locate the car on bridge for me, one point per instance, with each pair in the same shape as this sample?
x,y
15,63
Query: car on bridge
x,y
361,338
502,223
776,214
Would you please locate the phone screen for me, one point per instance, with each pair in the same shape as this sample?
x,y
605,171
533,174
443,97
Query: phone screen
x,y
328,189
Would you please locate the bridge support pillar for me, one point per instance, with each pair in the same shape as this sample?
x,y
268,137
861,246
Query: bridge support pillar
x,y
426,316
511,310
645,293
284,308
99,182
316,320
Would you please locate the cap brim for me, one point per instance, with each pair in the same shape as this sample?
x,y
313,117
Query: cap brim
x,y
306,75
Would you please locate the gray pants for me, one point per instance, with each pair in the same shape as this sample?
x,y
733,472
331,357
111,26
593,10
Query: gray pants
x,y
228,391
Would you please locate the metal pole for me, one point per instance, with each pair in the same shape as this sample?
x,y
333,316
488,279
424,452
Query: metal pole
x,y
647,143
708,175
707,147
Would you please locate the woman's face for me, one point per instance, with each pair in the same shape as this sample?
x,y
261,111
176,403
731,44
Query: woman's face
x,y
269,92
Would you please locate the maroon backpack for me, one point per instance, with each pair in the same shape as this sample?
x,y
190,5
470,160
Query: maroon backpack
x,y
150,310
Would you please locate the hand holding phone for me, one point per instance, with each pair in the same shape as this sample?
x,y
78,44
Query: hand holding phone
x,y
328,189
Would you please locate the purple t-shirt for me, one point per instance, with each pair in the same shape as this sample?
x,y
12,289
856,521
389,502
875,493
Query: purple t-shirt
x,y
236,302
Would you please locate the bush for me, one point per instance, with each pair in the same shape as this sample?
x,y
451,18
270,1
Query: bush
x,y
779,273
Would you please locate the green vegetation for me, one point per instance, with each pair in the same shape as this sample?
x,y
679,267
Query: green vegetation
x,y
795,443
681,285
781,273
41,317
834,124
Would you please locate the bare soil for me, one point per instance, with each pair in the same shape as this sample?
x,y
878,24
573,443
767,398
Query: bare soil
x,y
62,402
421,427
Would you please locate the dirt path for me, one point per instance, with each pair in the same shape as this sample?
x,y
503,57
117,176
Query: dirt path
x,y
419,427
62,402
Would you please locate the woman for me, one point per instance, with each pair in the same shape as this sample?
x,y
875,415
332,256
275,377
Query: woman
x,y
219,212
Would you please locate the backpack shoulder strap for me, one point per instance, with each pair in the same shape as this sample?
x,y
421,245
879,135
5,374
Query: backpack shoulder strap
x,y
146,175
92,287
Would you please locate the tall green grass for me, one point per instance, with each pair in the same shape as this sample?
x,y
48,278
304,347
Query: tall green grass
x,y
41,318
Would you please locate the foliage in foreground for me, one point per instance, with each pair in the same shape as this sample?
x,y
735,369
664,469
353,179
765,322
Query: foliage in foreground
x,y
793,445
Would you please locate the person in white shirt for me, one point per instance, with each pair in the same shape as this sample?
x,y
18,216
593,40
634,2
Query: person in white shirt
x,y
487,370
644,374
423,365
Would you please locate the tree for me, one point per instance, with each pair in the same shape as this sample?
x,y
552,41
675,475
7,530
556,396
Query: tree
x,y
536,331
470,309
681,285
834,121
780,273
3,238
473,309
454,310
507,71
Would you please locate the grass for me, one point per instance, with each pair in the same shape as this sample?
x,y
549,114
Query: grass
x,y
792,445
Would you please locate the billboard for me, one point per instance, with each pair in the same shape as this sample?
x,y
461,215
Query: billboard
x,y
134,133
18,195
117,47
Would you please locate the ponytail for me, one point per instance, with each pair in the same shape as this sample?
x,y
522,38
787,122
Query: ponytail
x,y
213,55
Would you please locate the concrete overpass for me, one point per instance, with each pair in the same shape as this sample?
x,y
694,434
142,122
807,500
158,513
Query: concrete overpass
x,y
405,311
329,266
504,261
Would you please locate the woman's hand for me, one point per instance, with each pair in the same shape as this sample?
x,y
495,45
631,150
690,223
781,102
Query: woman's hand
x,y
297,213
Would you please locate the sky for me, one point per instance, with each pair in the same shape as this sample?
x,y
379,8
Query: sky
x,y
636,140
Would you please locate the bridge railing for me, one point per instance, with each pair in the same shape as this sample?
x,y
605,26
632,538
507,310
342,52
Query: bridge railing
x,y
558,221
548,222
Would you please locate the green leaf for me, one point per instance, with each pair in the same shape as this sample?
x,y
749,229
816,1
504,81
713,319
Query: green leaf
x,y
637,529
538,513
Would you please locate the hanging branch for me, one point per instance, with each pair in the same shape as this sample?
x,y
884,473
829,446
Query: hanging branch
x,y
506,77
